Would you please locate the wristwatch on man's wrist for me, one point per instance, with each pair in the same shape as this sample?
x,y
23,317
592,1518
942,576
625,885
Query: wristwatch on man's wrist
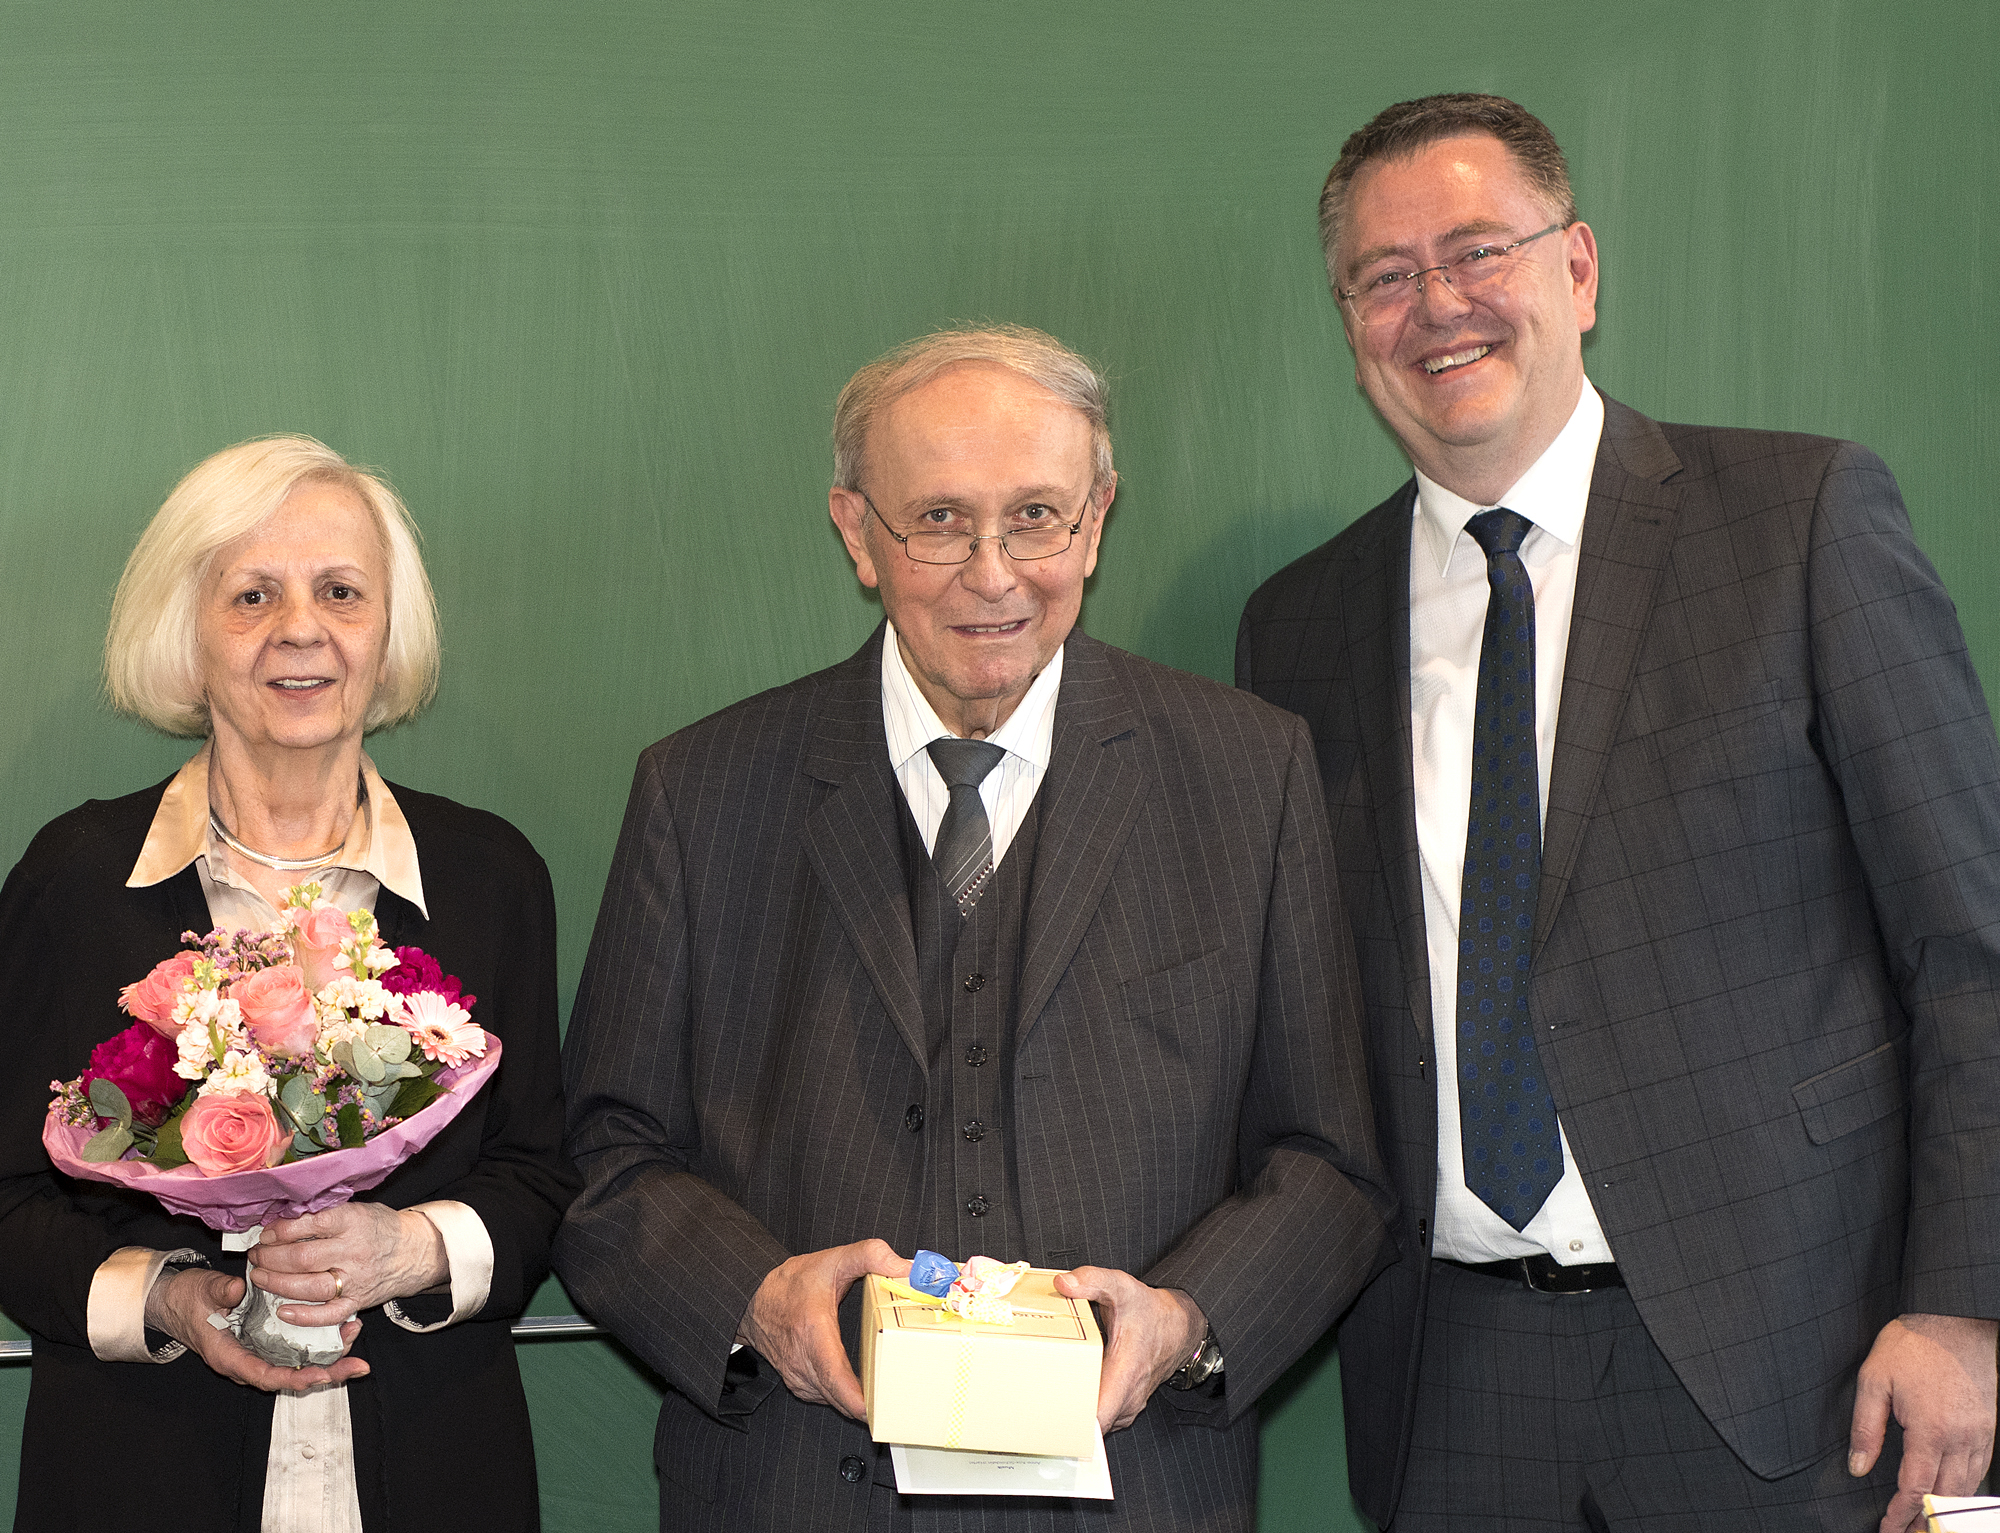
x,y
1200,1368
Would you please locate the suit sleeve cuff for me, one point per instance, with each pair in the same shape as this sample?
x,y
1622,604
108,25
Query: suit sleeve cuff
x,y
468,1252
115,1309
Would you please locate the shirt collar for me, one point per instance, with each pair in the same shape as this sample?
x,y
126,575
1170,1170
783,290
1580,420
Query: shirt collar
x,y
378,842
1552,494
910,723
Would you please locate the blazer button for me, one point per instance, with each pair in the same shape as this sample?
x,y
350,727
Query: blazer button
x,y
976,1055
913,1117
975,1131
977,1206
852,1469
974,983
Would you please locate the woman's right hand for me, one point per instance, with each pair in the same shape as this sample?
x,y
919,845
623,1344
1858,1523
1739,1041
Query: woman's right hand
x,y
182,1301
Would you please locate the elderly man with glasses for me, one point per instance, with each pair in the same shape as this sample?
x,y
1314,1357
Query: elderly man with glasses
x,y
1667,812
990,940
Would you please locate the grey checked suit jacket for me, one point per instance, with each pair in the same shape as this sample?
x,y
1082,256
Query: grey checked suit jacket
x,y
1768,943
1188,1079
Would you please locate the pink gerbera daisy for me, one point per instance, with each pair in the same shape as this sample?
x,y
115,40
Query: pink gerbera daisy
x,y
443,1030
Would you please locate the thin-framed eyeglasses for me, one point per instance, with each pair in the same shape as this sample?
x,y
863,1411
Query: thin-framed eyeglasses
x,y
1388,295
1042,540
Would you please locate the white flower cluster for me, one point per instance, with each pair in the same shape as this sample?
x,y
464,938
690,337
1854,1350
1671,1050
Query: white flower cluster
x,y
206,1019
239,1071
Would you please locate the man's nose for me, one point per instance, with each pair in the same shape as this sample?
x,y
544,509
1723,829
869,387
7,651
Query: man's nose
x,y
989,573
1439,296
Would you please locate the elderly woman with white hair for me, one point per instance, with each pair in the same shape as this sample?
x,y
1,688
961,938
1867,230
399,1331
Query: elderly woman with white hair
x,y
277,605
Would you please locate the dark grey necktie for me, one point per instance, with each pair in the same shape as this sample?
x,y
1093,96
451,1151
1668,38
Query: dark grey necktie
x,y
1507,1119
964,851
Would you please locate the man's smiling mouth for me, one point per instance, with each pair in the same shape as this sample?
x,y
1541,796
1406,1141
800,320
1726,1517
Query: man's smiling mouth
x,y
991,627
1436,365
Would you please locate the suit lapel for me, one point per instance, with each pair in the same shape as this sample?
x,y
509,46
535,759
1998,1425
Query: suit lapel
x,y
852,836
1376,614
1628,532
1089,801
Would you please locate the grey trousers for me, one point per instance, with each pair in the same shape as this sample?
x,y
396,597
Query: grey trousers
x,y
1556,1411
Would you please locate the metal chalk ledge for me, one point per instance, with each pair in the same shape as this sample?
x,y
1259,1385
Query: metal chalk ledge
x,y
527,1328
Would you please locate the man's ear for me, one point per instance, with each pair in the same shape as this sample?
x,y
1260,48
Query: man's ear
x,y
1093,527
1580,256
849,512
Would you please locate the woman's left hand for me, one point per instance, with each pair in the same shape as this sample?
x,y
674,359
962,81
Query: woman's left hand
x,y
348,1259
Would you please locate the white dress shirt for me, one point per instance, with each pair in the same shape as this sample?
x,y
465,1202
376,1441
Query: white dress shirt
x,y
911,723
309,1470
1447,620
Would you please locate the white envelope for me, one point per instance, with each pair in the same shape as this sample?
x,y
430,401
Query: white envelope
x,y
967,1472
1963,1514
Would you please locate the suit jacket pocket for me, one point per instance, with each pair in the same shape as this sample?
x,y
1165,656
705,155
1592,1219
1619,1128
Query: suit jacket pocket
x,y
1852,1095
1170,989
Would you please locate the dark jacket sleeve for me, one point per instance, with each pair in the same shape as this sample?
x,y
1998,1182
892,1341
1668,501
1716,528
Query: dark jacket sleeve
x,y
493,914
1273,1265
1904,728
650,1249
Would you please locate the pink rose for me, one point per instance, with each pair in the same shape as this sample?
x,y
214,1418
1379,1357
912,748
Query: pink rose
x,y
152,998
140,1063
316,938
277,1010
232,1131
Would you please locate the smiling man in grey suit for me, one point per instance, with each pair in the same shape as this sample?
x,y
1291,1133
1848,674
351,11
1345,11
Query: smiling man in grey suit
x,y
991,939
1665,809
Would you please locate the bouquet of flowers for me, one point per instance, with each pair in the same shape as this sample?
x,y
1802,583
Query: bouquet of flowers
x,y
273,1074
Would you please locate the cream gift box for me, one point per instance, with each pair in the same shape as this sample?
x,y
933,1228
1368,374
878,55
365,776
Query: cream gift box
x,y
934,1380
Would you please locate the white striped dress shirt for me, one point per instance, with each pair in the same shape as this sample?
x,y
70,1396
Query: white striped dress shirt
x,y
911,723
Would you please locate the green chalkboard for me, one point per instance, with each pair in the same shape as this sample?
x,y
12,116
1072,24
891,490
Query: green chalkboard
x,y
585,278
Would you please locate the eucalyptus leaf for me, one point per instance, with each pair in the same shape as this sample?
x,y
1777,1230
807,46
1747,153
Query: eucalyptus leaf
x,y
107,1144
343,1055
367,1064
391,1045
107,1100
403,1072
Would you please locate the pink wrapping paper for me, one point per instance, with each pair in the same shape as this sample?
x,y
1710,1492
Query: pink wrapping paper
x,y
241,1200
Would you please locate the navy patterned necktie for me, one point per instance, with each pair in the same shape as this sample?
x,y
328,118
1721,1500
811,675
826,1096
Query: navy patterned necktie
x,y
964,850
1507,1119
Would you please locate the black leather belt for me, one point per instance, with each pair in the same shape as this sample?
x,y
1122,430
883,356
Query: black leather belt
x,y
1545,1274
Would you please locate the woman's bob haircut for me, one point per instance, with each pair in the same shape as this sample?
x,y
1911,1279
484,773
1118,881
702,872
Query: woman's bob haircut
x,y
152,653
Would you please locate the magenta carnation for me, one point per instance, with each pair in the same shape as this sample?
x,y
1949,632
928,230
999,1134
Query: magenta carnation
x,y
416,970
140,1063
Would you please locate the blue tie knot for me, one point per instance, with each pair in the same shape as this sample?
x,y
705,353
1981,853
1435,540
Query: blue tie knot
x,y
1500,531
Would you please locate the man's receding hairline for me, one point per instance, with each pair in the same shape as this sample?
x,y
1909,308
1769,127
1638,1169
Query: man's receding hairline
x,y
1536,193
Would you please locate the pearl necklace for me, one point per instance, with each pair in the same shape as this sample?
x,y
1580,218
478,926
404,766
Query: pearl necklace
x,y
279,864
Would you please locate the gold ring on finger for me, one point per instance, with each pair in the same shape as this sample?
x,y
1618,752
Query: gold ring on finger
x,y
339,1281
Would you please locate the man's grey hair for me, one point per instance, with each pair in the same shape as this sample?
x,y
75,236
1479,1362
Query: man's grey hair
x,y
1038,357
1409,125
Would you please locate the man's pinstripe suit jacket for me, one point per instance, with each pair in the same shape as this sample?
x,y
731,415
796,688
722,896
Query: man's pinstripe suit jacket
x,y
1188,1088
1767,949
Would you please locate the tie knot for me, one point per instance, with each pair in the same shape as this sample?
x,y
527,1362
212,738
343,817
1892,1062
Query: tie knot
x,y
964,763
1500,531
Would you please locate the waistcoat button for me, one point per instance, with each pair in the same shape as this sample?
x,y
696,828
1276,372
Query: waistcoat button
x,y
975,1131
976,1055
974,983
851,1469
977,1206
913,1117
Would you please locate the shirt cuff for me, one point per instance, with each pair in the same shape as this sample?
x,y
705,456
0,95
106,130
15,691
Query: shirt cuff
x,y
115,1310
468,1252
